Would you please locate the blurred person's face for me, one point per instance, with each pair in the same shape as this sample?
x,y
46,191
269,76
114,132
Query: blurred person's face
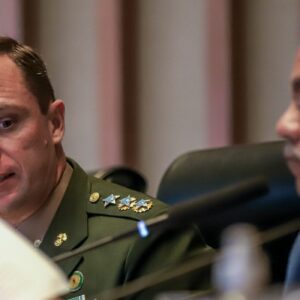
x,y
28,142
288,126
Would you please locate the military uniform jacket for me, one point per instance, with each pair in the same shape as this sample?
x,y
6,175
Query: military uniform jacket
x,y
80,220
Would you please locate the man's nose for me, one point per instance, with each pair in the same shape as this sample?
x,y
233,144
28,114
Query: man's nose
x,y
288,125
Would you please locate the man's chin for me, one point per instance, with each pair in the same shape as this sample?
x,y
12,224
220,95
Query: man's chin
x,y
9,204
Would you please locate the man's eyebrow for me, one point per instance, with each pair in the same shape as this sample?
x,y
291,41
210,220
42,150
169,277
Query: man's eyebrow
x,y
12,107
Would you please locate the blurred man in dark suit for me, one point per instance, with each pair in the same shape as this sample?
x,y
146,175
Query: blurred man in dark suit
x,y
288,127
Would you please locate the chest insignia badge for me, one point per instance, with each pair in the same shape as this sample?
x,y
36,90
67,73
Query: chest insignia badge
x,y
76,281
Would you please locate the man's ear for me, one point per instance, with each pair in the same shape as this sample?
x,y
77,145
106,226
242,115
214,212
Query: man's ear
x,y
56,119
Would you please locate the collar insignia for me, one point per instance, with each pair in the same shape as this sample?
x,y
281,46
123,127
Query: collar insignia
x,y
111,199
62,237
94,197
142,205
126,203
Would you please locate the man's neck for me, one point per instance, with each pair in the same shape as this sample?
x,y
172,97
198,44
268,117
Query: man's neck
x,y
35,227
18,216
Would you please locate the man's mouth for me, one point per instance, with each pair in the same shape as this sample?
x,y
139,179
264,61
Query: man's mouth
x,y
291,152
6,176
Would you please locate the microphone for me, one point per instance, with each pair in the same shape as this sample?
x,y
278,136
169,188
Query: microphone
x,y
185,213
193,264
212,203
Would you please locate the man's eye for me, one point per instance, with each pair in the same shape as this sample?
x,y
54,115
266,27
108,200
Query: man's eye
x,y
4,124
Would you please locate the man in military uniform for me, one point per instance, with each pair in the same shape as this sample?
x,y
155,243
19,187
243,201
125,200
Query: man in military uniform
x,y
56,205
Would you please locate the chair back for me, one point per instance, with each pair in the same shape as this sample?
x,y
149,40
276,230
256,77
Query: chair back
x,y
124,176
199,172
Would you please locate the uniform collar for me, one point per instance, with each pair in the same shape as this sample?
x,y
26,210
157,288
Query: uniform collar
x,y
70,219
35,227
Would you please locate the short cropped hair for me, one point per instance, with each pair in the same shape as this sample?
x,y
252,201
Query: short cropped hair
x,y
33,69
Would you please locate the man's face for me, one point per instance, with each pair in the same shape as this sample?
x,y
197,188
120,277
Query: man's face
x,y
288,126
28,142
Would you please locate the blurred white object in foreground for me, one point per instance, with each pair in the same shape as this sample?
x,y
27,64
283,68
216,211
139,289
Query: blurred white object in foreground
x,y
241,270
25,272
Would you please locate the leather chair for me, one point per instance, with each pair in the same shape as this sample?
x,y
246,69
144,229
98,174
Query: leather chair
x,y
199,172
124,176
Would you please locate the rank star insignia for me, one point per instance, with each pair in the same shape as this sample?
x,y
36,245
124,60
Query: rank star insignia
x,y
142,205
111,199
125,203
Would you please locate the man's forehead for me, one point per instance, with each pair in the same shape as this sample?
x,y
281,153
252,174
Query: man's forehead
x,y
14,94
9,70
11,76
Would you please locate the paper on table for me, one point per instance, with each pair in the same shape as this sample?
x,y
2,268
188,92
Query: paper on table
x,y
26,272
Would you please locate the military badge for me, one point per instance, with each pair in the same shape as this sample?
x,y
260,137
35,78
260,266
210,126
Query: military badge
x,y
142,205
76,281
111,199
126,203
62,237
94,197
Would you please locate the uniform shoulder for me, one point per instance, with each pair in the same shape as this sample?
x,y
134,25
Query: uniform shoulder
x,y
111,199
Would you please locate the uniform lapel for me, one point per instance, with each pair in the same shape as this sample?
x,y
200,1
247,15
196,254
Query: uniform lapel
x,y
70,220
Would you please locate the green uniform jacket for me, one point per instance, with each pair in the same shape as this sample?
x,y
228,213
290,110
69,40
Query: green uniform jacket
x,y
79,221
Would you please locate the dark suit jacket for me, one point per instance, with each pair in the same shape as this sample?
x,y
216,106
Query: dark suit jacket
x,y
115,264
292,280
